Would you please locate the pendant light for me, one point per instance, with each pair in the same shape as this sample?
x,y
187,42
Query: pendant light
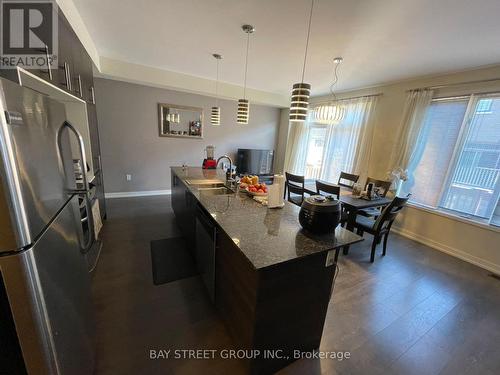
x,y
301,91
243,105
333,112
215,116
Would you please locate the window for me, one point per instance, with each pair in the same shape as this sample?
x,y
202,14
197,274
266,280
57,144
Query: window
x,y
484,106
319,151
435,150
456,166
330,150
315,148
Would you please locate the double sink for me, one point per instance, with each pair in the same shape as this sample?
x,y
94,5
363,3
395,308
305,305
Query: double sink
x,y
212,187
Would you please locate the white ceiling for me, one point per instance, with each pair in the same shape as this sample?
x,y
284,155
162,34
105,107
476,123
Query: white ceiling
x,y
380,40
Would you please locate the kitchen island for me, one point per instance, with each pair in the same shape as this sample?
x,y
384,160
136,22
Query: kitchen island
x,y
270,280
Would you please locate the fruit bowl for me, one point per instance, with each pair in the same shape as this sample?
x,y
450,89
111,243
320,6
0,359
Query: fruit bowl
x,y
256,193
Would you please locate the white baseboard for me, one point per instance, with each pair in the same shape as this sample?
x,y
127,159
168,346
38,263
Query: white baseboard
x,y
480,262
128,194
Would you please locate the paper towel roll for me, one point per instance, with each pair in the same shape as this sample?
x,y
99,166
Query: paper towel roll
x,y
276,191
280,179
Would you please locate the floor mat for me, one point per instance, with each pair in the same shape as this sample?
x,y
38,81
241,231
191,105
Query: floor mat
x,y
171,260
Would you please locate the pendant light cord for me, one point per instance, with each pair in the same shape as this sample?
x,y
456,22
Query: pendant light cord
x,y
335,80
217,85
307,40
246,68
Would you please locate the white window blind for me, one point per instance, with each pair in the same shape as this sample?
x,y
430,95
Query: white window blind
x,y
456,166
473,187
435,150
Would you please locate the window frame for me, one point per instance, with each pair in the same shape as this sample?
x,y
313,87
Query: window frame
x,y
312,125
465,126
486,111
484,223
462,134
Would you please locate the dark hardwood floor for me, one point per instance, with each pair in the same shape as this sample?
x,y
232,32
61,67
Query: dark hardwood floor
x,y
415,311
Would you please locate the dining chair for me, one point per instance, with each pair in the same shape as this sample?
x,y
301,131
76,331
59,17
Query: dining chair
x,y
382,185
383,188
381,226
295,186
330,189
347,180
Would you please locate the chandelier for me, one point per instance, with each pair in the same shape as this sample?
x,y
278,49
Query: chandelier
x,y
333,112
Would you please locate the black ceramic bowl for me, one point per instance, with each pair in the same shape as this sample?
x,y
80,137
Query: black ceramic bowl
x,y
320,215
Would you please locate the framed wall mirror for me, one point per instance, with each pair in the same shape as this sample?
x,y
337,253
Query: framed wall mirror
x,y
179,121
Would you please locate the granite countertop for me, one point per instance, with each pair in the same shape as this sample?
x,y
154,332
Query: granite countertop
x,y
265,236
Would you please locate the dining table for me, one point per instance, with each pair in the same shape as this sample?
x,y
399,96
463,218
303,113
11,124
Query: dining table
x,y
351,204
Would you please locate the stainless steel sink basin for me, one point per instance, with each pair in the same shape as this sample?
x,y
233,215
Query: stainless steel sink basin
x,y
221,190
203,182
210,186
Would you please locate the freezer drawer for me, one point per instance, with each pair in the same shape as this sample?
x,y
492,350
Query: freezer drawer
x,y
48,289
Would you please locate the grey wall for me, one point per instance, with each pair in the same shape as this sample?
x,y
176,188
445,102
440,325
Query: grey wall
x,y
128,126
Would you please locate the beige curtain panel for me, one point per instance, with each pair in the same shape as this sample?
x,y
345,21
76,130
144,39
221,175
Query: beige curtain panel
x,y
296,150
415,109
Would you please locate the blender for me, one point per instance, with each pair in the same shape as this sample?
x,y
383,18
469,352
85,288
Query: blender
x,y
209,162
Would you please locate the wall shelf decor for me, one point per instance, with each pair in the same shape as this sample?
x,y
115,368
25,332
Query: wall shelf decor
x,y
178,121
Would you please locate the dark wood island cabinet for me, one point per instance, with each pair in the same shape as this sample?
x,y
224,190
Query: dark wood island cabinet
x,y
272,282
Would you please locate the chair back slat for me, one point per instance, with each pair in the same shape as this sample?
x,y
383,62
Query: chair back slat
x,y
294,178
385,220
384,186
294,185
347,180
329,189
295,189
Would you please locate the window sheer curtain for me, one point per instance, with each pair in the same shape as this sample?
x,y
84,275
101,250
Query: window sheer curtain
x,y
410,129
296,151
348,144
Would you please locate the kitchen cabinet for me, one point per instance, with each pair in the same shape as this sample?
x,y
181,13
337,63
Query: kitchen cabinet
x,y
73,73
96,155
206,248
62,75
86,77
184,206
271,281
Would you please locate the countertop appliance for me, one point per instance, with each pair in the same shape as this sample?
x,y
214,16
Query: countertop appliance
x,y
209,162
255,162
46,324
319,214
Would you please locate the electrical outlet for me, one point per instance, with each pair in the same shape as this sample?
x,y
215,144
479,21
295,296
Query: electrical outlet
x,y
330,258
129,177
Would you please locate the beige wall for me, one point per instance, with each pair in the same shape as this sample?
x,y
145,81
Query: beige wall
x,y
467,241
128,128
279,159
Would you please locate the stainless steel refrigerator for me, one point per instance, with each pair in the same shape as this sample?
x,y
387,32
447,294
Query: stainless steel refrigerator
x,y
46,322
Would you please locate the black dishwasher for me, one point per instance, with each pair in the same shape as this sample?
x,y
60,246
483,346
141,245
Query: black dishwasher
x,y
206,233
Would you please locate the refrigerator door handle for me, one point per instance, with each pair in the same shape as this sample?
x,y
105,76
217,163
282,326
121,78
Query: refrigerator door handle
x,y
81,150
89,241
86,244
